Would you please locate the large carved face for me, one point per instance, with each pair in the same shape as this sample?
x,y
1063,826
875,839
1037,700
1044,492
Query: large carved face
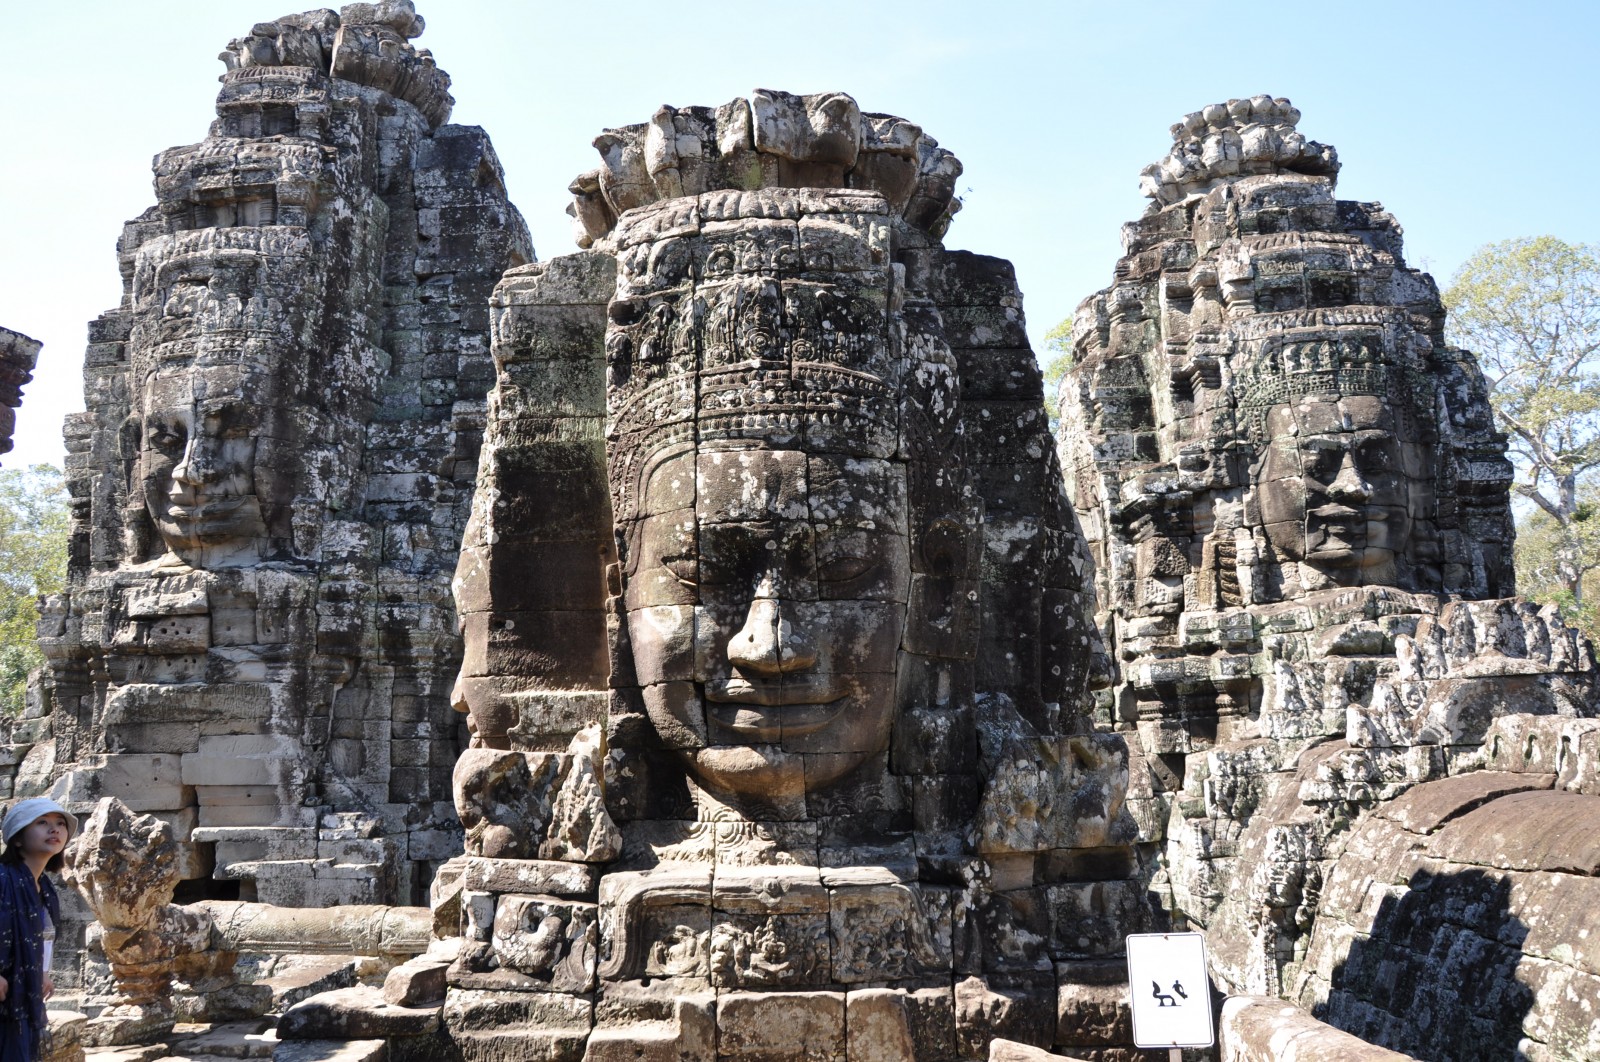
x,y
197,461
766,596
1339,483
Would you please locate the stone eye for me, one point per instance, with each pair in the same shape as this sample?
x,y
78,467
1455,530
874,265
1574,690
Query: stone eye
x,y
842,569
685,569
165,438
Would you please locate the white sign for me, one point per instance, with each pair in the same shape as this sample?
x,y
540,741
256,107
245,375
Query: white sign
x,y
1170,989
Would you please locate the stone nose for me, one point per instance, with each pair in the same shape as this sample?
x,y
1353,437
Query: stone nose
x,y
199,462
1350,483
770,644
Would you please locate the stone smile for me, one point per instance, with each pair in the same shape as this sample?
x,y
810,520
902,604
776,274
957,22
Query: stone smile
x,y
770,722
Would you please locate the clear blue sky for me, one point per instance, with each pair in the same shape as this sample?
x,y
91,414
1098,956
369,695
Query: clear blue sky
x,y
1472,121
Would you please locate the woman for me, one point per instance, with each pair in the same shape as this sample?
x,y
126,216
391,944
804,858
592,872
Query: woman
x,y
35,832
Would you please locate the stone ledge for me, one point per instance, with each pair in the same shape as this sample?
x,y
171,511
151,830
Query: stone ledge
x,y
1262,1029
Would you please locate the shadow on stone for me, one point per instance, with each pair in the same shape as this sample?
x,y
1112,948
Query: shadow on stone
x,y
1437,977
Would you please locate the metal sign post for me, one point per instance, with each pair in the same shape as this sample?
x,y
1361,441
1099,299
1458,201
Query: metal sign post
x,y
1170,991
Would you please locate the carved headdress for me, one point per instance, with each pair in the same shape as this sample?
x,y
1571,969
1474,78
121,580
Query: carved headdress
x,y
775,317
1342,351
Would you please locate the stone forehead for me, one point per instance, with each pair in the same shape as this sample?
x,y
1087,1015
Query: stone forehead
x,y
1321,414
245,383
755,483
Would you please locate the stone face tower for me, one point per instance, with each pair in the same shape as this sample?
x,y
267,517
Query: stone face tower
x,y
793,738
1298,508
270,486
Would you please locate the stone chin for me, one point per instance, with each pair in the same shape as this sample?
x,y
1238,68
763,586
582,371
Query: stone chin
x,y
213,532
767,772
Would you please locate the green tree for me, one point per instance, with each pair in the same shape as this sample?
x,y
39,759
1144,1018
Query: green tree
x,y
1530,309
1058,343
33,561
1545,561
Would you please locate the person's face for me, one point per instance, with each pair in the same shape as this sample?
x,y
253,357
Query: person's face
x,y
766,594
44,836
198,454
1336,483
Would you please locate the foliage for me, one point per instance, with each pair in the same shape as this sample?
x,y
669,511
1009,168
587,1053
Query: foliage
x,y
33,561
1530,309
1058,341
1549,560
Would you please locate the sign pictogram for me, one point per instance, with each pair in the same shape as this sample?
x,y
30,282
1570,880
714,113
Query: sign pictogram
x,y
1170,991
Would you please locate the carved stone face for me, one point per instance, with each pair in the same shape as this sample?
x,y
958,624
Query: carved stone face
x,y
197,460
1338,484
766,596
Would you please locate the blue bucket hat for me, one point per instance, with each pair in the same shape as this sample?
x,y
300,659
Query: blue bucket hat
x,y
25,813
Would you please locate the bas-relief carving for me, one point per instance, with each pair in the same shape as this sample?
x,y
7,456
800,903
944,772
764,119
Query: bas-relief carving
x,y
1289,483
844,693
267,487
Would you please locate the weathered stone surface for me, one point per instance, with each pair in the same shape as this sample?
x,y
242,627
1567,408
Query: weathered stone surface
x,y
331,1051
126,868
1011,1051
355,1013
818,654
18,355
1297,505
779,1026
416,981
273,476
1472,899
237,1040
1257,1029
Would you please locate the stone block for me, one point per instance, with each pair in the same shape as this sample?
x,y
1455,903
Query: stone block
x,y
143,782
553,940
781,1026
1259,1029
877,1026
546,876
661,1021
360,1012
1011,1051
331,1051
502,1026
416,981
1021,1009
1092,1008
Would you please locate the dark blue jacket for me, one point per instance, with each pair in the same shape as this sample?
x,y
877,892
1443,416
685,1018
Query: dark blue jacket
x,y
23,914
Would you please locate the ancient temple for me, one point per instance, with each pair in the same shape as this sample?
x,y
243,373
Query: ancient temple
x,y
690,648
789,738
1298,509
257,641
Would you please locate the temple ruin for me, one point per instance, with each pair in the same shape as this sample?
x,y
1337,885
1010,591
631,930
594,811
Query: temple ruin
x,y
18,355
1298,509
697,647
